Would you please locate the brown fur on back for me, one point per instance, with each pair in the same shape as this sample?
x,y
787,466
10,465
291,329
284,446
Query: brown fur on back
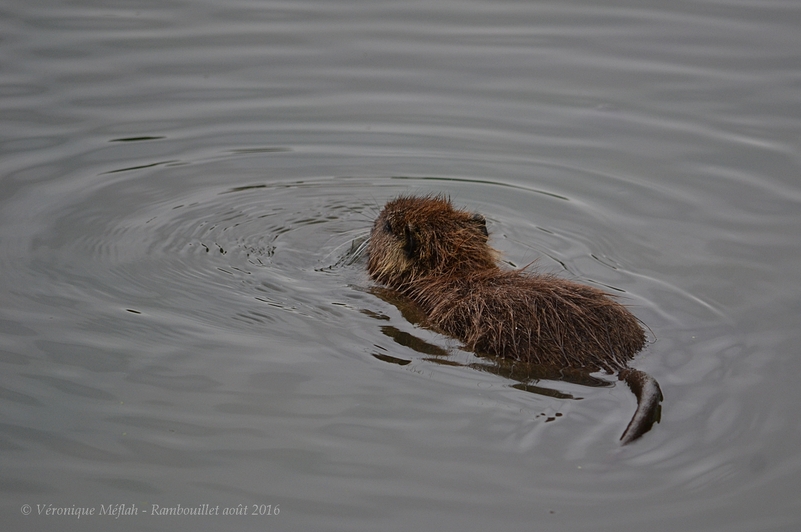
x,y
440,257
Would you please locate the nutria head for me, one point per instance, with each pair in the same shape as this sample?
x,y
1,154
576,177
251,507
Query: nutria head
x,y
415,237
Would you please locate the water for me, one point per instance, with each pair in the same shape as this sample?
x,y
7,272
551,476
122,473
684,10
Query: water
x,y
184,314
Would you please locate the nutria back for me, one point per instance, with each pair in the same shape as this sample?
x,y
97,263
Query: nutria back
x,y
440,257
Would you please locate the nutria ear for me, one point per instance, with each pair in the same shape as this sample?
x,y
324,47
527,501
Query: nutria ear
x,y
410,240
481,223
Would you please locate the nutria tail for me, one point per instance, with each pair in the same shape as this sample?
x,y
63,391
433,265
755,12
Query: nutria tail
x,y
649,403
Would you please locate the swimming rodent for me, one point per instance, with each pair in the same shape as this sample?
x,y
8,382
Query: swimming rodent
x,y
440,258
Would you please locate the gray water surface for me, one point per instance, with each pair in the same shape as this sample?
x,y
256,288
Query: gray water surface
x,y
184,313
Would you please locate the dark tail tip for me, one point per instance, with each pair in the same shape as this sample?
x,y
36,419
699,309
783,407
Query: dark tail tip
x,y
649,404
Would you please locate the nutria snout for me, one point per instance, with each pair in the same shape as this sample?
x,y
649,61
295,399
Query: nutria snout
x,y
440,257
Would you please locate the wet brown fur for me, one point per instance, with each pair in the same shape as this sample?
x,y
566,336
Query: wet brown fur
x,y
439,257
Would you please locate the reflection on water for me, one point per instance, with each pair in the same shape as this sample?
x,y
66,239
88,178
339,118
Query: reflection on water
x,y
184,315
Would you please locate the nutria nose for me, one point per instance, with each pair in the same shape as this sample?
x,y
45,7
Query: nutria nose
x,y
482,223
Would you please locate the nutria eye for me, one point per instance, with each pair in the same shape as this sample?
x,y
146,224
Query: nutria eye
x,y
387,227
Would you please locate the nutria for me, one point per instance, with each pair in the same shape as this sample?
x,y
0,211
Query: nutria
x,y
440,258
